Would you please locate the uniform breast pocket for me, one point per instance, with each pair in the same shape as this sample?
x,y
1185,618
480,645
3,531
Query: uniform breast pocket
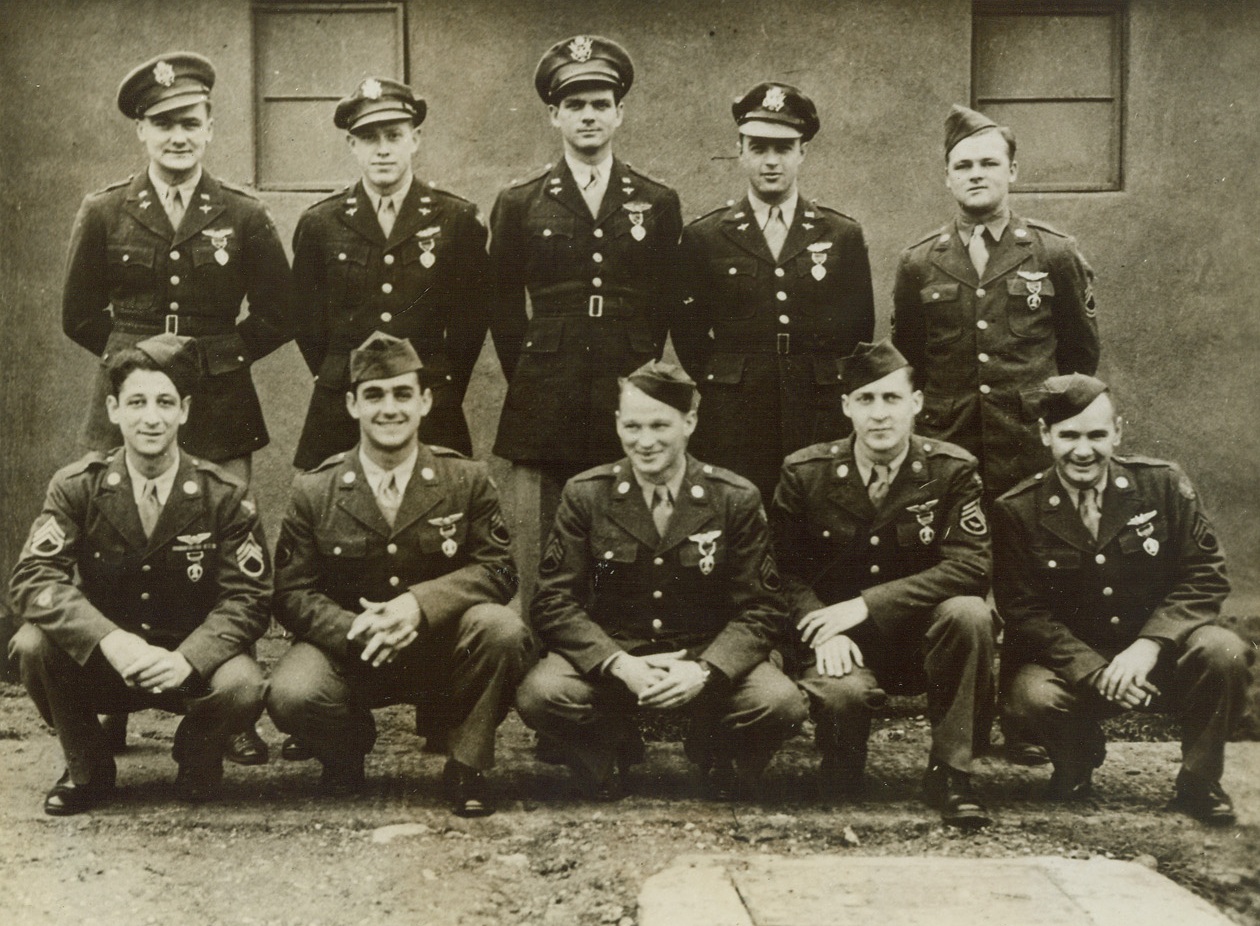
x,y
131,261
420,258
942,313
735,282
1141,544
1058,568
341,550
614,556
444,540
1030,307
703,552
215,253
347,263
551,242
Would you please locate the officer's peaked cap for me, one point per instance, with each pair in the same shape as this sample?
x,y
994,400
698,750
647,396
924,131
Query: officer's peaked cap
x,y
581,62
775,110
171,81
379,99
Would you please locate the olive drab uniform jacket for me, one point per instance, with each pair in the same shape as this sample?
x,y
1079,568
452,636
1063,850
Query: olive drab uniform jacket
x,y
927,542
764,338
201,584
609,582
130,276
977,345
448,546
597,290
428,282
1070,602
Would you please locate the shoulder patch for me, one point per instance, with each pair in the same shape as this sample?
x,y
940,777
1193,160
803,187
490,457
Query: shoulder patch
x,y
1045,227
552,557
972,520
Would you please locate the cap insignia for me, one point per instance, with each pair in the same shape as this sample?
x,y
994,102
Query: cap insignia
x,y
580,48
163,73
774,99
372,88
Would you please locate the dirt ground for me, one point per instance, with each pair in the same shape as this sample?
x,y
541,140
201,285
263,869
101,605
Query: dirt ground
x,y
270,852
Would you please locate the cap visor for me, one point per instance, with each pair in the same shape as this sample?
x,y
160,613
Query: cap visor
x,y
382,115
761,129
178,101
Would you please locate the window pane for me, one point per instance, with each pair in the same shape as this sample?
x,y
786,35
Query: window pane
x,y
1043,56
298,146
325,52
1063,144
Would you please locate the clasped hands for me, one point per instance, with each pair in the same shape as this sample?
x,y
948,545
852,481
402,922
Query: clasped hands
x,y
661,680
825,629
1123,681
388,627
143,665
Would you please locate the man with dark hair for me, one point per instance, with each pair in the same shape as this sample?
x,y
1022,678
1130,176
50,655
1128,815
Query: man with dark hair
x,y
389,253
885,556
593,242
393,576
1110,579
658,591
775,290
143,584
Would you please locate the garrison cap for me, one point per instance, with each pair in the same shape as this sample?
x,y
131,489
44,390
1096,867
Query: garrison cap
x,y
775,110
173,355
583,61
963,123
665,382
871,362
379,99
171,81
1062,397
383,356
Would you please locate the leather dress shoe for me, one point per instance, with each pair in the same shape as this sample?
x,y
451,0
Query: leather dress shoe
x,y
115,728
246,748
196,784
342,777
1206,802
293,751
720,781
67,798
467,790
951,792
1027,754
1068,785
600,790
840,780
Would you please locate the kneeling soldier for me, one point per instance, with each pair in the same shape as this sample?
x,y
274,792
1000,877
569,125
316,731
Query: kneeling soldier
x,y
885,555
1110,578
144,582
658,591
393,575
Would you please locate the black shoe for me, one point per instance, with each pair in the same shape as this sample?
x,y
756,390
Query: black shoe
x,y
720,781
550,750
293,751
67,798
1027,754
950,791
246,748
1068,784
600,790
196,784
1207,803
839,780
467,790
342,777
115,728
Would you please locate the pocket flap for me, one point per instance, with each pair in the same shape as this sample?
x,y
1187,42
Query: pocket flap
x,y
1059,560
616,549
827,371
939,292
1018,286
222,354
339,546
727,369
556,226
937,408
129,254
543,336
734,266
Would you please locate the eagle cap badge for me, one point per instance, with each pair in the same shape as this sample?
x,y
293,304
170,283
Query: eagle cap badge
x,y
372,88
580,48
775,99
163,73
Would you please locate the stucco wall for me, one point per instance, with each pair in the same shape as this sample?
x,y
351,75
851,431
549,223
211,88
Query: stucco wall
x,y
1175,252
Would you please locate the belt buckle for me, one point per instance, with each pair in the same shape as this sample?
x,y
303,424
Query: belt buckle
x,y
595,308
783,342
172,324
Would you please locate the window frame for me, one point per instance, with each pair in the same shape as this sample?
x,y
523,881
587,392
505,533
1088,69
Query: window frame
x,y
1117,11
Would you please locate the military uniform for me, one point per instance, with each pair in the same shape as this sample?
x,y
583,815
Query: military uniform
x,y
200,585
764,337
449,547
609,583
1072,603
427,282
978,343
597,290
920,562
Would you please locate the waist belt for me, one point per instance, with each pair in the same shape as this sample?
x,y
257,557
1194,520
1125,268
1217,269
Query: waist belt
x,y
594,306
783,343
193,326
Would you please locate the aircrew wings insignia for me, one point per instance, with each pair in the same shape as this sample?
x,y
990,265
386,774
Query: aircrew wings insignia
x,y
250,557
449,520
1140,519
48,539
194,540
924,508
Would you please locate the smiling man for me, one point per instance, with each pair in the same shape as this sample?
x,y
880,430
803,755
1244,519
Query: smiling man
x,y
593,243
658,591
885,557
775,291
143,584
393,573
389,253
1110,578
990,305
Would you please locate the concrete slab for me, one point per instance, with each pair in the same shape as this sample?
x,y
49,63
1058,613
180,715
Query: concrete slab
x,y
830,890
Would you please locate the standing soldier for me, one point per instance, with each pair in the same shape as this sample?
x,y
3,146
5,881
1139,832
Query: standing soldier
x,y
776,290
593,242
143,584
175,250
392,254
988,306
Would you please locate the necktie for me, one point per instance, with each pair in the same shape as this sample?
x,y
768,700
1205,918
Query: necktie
x,y
877,488
387,215
775,231
389,498
591,192
1090,513
978,249
175,207
150,507
662,509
